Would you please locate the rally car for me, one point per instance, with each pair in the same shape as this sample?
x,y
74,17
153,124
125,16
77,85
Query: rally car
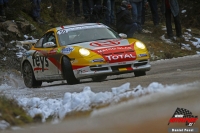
x,y
79,51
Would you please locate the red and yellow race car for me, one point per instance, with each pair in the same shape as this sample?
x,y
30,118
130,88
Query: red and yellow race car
x,y
80,51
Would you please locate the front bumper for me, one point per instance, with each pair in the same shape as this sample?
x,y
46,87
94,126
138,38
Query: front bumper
x,y
112,69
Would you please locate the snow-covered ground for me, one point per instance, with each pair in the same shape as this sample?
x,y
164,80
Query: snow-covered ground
x,y
187,36
84,100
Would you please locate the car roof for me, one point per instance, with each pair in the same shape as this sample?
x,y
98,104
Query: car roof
x,y
86,25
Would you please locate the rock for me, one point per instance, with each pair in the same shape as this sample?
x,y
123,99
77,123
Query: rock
x,y
2,48
15,29
25,27
11,26
2,44
33,28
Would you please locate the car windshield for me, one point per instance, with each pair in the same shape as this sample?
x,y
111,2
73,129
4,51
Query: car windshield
x,y
85,35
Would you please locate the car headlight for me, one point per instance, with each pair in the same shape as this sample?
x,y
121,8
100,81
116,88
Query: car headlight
x,y
84,52
140,45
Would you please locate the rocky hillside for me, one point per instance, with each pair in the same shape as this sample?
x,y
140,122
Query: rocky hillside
x,y
19,25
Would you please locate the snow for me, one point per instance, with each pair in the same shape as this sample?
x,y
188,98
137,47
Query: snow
x,y
183,11
187,36
4,59
82,101
196,43
185,46
4,124
169,41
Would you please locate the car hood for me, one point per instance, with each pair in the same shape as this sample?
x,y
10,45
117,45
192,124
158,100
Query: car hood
x,y
101,44
112,50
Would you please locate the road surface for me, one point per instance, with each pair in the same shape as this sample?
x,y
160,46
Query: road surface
x,y
147,114
172,71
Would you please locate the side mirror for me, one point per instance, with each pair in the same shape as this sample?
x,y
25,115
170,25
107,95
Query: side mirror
x,y
122,35
49,45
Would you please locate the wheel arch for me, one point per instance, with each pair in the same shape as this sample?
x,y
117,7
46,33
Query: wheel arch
x,y
68,72
22,64
31,82
62,66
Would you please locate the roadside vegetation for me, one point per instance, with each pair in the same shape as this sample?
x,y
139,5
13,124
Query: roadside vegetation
x,y
12,113
54,13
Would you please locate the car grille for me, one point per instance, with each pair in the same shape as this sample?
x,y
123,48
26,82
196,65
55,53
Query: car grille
x,y
141,63
126,67
98,68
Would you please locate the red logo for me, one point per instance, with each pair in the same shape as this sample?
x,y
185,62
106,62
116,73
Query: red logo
x,y
52,52
105,43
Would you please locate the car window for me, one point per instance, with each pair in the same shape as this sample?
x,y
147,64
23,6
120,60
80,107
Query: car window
x,y
85,35
48,37
64,39
39,43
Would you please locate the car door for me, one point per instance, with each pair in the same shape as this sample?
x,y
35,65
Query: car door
x,y
45,62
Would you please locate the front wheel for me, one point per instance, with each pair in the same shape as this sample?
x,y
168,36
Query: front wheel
x,y
29,77
68,73
99,78
139,73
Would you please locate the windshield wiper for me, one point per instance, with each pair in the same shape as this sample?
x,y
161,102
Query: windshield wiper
x,y
103,39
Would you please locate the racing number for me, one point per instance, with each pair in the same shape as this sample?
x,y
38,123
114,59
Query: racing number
x,y
63,31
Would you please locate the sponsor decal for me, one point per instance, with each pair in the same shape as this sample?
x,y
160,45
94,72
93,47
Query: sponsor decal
x,y
39,61
67,50
105,43
98,60
142,55
53,51
117,54
41,52
81,71
120,57
78,27
115,49
59,50
55,62
182,115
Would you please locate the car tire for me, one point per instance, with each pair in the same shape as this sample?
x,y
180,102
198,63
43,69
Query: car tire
x,y
139,73
68,73
29,77
99,78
